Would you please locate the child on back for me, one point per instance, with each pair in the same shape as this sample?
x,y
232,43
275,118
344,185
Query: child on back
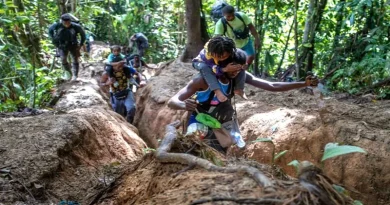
x,y
212,62
114,62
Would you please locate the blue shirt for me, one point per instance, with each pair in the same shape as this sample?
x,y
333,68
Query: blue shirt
x,y
113,58
203,96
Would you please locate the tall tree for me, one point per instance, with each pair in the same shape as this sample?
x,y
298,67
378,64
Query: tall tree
x,y
62,6
194,37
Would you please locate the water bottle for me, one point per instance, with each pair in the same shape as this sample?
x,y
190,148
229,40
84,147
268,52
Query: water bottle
x,y
236,134
238,139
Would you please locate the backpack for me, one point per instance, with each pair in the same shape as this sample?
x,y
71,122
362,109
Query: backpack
x,y
59,28
216,10
238,34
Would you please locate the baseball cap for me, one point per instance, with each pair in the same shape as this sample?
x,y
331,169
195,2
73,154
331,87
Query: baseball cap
x,y
65,17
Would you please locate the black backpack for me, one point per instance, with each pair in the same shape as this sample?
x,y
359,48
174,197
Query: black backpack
x,y
59,27
216,11
238,34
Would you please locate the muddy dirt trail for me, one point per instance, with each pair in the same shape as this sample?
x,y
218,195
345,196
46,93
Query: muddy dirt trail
x,y
82,151
67,153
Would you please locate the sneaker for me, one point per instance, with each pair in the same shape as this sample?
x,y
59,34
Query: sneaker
x,y
74,78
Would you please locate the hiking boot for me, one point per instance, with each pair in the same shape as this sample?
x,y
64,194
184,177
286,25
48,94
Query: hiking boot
x,y
74,78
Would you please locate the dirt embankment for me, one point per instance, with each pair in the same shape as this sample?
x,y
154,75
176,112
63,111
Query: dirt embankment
x,y
295,122
67,153
83,151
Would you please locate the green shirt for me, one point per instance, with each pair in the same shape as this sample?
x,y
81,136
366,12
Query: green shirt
x,y
236,24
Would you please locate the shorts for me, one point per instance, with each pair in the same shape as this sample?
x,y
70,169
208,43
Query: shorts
x,y
249,48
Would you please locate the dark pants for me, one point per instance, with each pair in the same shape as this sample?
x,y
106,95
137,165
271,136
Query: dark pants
x,y
125,107
75,54
88,44
142,48
210,78
211,140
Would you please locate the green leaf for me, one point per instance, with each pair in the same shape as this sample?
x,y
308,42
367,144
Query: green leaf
x,y
340,189
23,19
334,150
280,154
17,86
6,21
307,45
357,202
352,19
262,140
295,164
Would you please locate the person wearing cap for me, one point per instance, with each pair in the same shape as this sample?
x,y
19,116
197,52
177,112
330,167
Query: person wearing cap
x,y
64,37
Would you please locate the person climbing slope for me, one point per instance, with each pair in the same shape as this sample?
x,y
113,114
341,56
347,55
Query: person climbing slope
x,y
195,97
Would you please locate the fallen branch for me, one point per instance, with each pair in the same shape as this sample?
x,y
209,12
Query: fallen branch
x,y
166,144
384,82
331,73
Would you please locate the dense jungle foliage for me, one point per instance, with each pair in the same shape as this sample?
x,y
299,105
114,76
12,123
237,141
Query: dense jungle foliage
x,y
345,42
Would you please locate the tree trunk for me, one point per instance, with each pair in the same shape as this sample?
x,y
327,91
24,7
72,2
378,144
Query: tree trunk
x,y
73,4
307,33
203,25
316,28
296,37
262,36
285,48
62,7
194,38
27,37
309,21
339,20
258,26
40,17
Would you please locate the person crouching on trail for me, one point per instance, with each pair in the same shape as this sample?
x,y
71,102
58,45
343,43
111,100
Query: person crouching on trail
x,y
196,98
122,99
64,37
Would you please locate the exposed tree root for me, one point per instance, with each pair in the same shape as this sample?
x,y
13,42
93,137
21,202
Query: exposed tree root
x,y
313,188
166,144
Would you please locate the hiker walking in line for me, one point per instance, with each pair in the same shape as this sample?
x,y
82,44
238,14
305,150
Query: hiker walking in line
x,y
141,42
237,26
64,37
117,76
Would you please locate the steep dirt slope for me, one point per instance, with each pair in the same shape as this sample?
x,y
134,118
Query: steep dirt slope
x,y
297,122
67,153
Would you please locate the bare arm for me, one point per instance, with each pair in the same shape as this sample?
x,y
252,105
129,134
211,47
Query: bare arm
x,y
140,76
254,34
181,101
273,86
104,80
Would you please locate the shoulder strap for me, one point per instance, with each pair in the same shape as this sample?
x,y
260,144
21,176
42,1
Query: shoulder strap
x,y
225,22
240,17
